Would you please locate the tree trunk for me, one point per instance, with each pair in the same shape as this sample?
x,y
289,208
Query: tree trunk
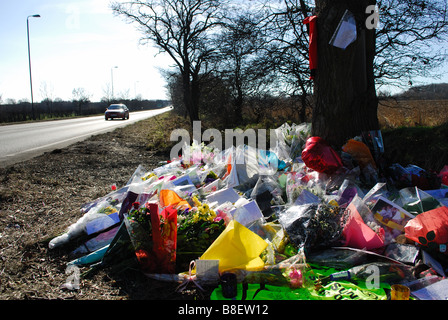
x,y
190,97
345,96
195,96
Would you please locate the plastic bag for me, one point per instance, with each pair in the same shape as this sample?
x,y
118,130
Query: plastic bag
x,y
429,229
165,248
319,156
416,201
154,237
360,152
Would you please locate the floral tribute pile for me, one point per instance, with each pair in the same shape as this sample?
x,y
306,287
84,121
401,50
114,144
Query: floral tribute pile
x,y
282,217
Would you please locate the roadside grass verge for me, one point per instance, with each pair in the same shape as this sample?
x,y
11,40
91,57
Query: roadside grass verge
x,y
426,147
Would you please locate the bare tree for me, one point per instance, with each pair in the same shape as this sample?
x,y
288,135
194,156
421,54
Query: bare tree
x,y
80,98
47,94
408,40
239,60
182,29
47,91
124,94
107,94
287,51
400,48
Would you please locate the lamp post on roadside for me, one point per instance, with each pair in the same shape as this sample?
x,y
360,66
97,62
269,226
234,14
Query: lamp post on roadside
x,y
29,60
112,79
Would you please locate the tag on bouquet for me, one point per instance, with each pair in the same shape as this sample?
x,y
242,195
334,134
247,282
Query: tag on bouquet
x,y
207,271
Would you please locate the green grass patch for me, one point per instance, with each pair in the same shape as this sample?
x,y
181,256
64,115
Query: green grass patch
x,y
159,130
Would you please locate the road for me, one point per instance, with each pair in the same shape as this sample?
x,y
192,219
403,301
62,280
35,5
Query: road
x,y
20,142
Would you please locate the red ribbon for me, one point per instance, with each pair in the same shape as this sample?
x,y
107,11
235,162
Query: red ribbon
x,y
313,44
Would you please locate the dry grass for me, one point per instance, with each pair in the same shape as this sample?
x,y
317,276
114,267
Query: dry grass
x,y
412,113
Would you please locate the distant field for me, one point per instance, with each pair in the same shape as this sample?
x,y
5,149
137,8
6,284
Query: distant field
x,y
412,113
391,113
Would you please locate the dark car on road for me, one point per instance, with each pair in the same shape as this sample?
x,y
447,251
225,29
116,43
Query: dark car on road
x,y
117,111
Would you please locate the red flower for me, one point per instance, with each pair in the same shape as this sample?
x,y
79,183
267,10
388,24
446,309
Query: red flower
x,y
142,256
136,205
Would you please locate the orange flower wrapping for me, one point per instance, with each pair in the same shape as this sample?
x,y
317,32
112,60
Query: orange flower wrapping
x,y
429,228
164,238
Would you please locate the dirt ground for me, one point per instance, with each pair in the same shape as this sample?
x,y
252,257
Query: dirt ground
x,y
41,197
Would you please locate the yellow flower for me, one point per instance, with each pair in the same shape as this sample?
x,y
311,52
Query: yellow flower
x,y
195,217
196,201
209,215
148,176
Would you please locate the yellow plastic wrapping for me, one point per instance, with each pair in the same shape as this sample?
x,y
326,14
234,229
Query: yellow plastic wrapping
x,y
237,248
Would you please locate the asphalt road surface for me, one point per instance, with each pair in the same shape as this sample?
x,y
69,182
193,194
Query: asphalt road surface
x,y
20,142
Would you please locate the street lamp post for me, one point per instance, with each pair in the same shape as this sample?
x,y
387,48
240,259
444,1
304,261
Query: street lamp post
x,y
29,60
112,79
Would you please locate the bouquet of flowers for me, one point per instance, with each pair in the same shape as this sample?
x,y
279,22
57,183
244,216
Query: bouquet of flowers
x,y
313,225
291,139
153,236
197,228
139,226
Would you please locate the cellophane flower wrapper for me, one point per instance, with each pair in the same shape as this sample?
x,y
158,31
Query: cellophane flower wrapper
x,y
295,184
313,225
98,211
165,239
139,227
290,139
198,227
154,237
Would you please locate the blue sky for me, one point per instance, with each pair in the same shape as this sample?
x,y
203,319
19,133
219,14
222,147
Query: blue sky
x,y
74,44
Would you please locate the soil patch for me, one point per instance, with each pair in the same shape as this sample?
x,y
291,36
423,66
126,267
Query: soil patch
x,y
41,197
